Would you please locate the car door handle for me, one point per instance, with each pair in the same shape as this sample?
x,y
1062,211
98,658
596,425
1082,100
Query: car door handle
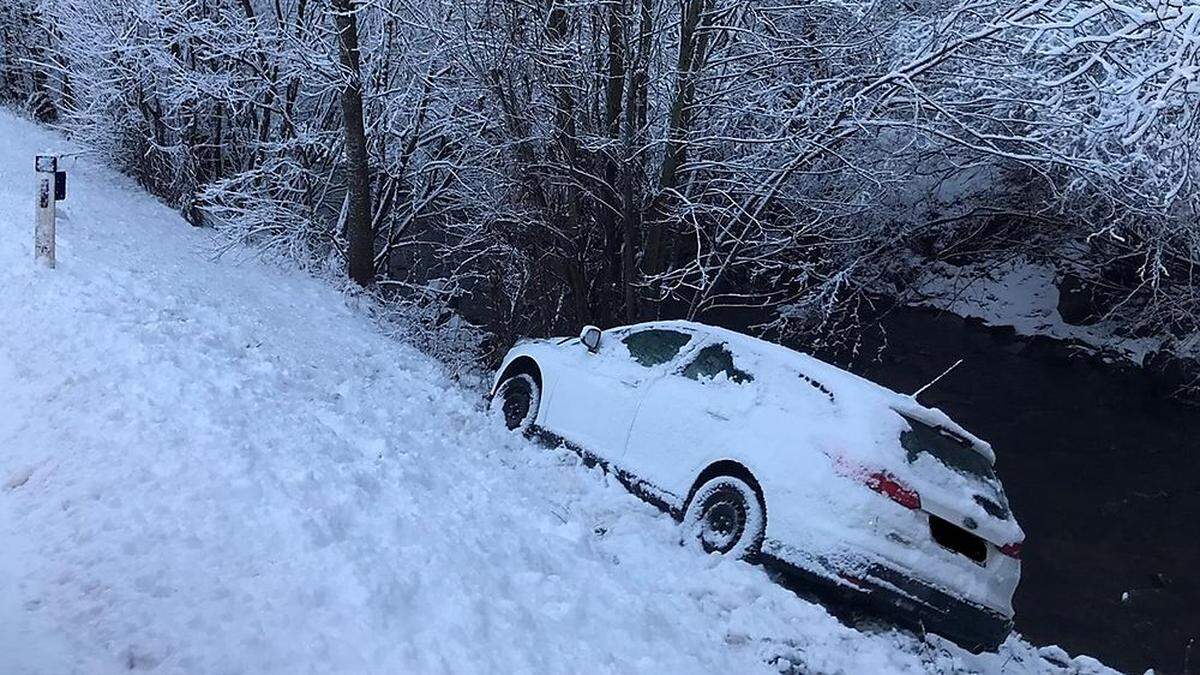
x,y
714,413
629,383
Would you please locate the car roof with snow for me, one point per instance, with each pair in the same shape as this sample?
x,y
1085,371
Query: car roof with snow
x,y
845,388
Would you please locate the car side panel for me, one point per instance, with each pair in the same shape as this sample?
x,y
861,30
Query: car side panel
x,y
680,421
593,408
587,399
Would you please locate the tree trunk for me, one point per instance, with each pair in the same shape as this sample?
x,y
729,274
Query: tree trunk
x,y
635,162
567,140
608,206
41,101
693,40
361,254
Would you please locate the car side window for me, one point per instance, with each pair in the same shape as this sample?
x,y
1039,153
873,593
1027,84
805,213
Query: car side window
x,y
712,361
655,346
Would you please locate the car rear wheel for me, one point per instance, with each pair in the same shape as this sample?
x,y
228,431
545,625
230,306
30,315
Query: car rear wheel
x,y
725,516
516,402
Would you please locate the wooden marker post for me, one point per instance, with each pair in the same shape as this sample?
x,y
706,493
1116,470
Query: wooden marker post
x,y
49,178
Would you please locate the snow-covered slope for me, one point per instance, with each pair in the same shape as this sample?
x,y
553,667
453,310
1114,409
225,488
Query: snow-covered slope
x,y
217,467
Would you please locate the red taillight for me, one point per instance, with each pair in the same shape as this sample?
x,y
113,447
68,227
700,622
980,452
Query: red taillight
x,y
886,484
1012,550
880,481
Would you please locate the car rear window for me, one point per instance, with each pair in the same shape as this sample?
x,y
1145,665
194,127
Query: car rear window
x,y
947,448
655,346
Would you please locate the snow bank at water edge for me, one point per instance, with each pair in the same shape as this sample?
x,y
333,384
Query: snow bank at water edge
x,y
1025,295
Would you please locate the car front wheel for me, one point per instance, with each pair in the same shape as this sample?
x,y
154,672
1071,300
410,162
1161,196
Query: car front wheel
x,y
516,401
725,516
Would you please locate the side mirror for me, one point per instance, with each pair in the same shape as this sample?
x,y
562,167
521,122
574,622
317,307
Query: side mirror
x,y
590,337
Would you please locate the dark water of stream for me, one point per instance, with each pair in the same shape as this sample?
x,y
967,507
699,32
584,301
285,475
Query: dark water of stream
x,y
1102,471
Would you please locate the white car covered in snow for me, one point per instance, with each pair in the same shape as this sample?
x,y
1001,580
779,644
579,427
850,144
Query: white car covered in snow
x,y
768,454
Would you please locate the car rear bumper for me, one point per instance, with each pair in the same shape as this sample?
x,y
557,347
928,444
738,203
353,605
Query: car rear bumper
x,y
925,607
908,602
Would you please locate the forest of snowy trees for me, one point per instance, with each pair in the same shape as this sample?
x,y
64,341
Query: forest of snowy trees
x,y
528,166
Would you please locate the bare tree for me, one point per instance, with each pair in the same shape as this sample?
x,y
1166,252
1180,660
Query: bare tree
x,y
529,166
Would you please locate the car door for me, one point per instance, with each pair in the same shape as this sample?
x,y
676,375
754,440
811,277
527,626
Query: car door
x,y
594,404
691,415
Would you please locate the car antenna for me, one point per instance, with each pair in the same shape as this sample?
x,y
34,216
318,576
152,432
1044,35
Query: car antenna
x,y
935,380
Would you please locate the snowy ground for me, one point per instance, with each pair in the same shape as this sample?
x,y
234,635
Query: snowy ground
x,y
217,467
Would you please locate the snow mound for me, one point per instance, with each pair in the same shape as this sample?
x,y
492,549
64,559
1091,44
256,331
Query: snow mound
x,y
212,466
1024,295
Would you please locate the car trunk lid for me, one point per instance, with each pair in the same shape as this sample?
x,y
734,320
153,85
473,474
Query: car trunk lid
x,y
956,480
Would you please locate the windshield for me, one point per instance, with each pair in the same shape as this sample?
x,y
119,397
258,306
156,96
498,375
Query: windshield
x,y
655,346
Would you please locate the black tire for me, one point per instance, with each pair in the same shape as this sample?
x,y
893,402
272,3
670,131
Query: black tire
x,y
516,402
726,516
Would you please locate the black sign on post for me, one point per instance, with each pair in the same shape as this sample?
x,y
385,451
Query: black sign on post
x,y
60,185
